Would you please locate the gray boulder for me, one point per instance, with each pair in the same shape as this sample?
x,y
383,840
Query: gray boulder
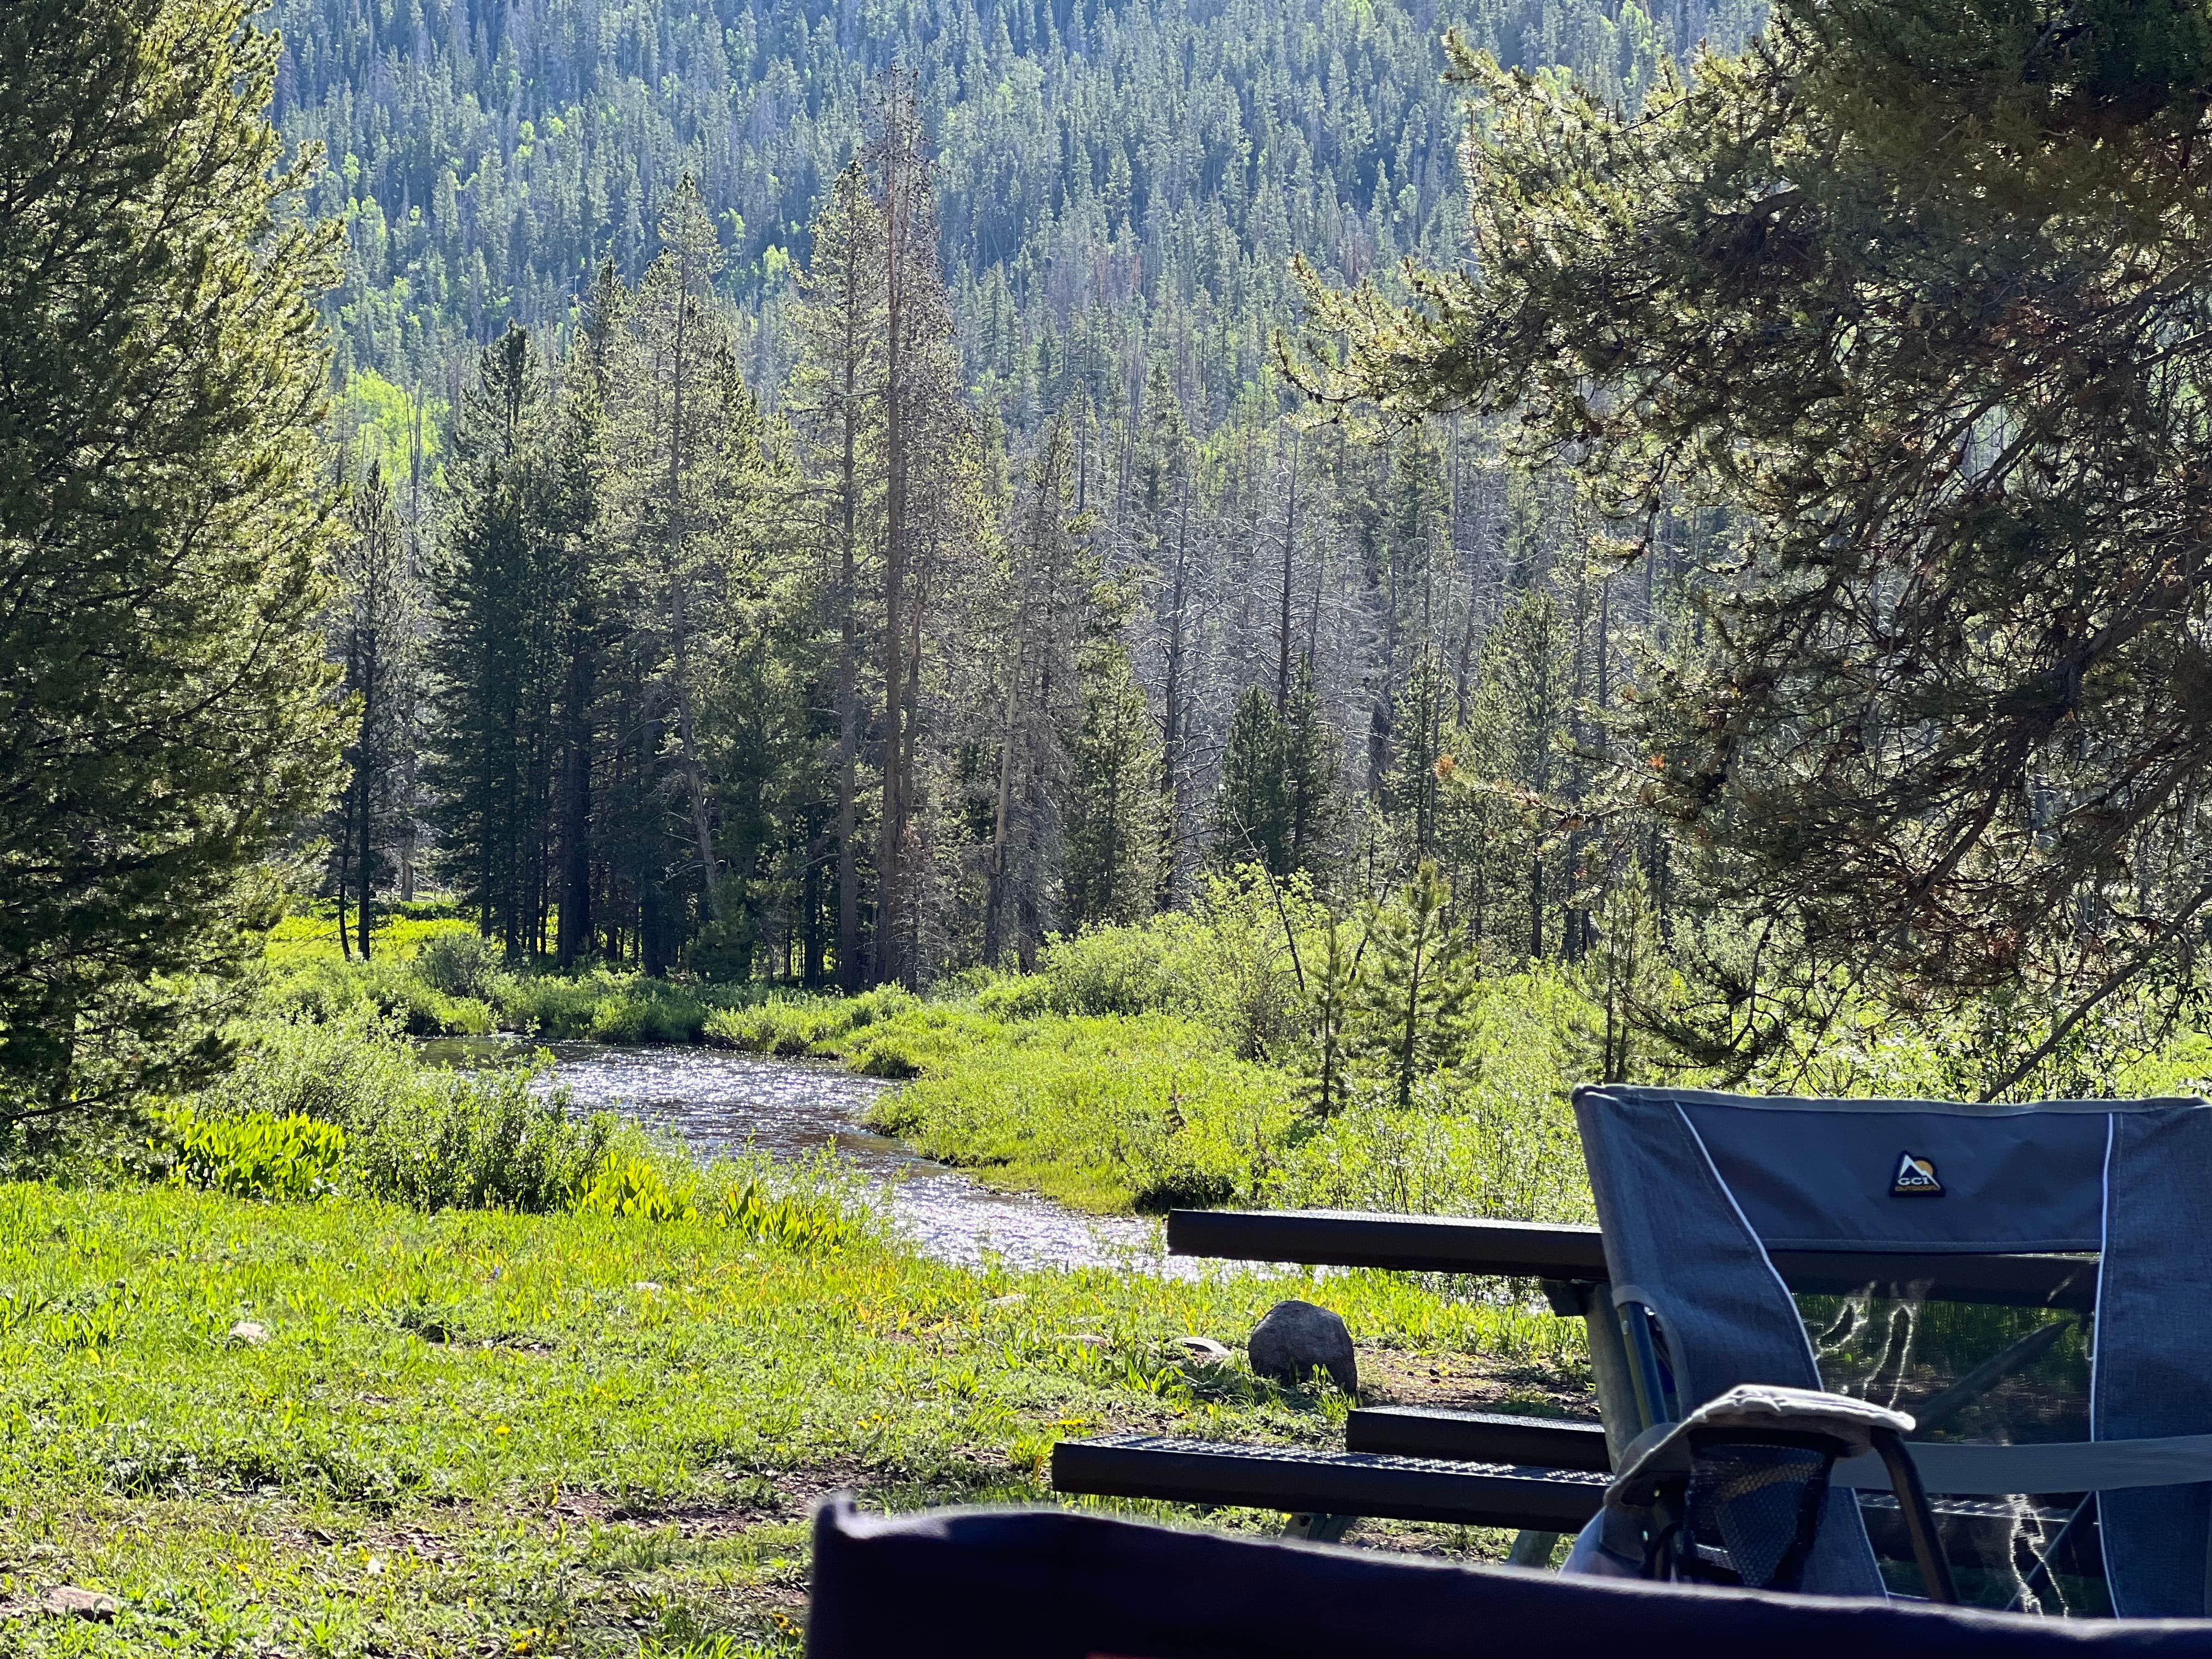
x,y
1297,1336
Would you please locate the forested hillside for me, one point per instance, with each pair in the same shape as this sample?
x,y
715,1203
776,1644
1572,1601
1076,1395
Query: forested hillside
x,y
907,565
1109,173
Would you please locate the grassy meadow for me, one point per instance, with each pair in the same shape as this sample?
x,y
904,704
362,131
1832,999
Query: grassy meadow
x,y
475,1432
352,1354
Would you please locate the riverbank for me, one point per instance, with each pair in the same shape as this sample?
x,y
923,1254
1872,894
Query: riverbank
x,y
346,1427
1138,1068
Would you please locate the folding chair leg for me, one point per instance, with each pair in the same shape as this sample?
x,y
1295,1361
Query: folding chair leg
x,y
1532,1549
1611,1371
1317,1528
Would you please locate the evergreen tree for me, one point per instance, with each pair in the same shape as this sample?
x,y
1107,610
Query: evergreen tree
x,y
1913,293
1410,1009
163,721
1278,802
497,599
835,400
1113,807
1499,809
373,630
1410,786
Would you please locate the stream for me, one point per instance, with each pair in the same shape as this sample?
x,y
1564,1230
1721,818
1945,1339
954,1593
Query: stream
x,y
721,1103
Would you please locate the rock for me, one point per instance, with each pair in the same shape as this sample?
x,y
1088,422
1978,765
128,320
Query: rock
x,y
646,1285
1297,1336
69,1600
1203,1347
1014,1299
1084,1339
250,1332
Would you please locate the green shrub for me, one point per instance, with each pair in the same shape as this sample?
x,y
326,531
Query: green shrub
x,y
618,1019
1016,996
480,1140
608,1006
1160,966
806,1222
793,1025
344,1070
461,965
256,1156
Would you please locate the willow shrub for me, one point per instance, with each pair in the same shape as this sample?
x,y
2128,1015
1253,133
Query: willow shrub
x,y
414,1133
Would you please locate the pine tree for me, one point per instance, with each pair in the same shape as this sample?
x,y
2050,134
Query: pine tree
x,y
1505,763
836,400
1278,802
1113,807
163,721
375,631
1410,1009
1945,728
497,600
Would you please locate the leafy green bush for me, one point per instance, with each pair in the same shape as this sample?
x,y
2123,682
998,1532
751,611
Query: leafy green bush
x,y
627,1184
414,1133
608,1006
327,988
479,1140
789,1024
343,1070
461,964
1160,966
256,1156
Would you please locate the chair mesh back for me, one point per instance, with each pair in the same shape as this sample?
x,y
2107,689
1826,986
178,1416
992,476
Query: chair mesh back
x,y
1750,1511
1974,1372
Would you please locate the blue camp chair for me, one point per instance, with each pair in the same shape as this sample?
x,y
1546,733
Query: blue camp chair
x,y
1049,1584
2059,1445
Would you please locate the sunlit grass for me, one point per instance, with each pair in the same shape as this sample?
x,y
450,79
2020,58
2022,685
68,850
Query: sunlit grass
x,y
464,1427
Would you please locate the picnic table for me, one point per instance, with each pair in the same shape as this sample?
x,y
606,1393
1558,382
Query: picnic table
x,y
1538,1476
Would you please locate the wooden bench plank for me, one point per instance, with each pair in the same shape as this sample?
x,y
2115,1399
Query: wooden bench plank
x,y
1526,1249
1553,1443
1333,1483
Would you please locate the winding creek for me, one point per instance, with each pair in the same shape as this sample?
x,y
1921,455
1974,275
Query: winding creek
x,y
720,1104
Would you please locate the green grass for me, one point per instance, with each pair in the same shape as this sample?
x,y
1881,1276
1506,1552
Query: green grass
x,y
1114,1111
487,1432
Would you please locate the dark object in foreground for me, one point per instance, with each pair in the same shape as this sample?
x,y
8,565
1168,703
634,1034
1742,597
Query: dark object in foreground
x,y
1047,1584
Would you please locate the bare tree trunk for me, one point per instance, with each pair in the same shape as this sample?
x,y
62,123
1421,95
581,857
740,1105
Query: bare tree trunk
x,y
1289,547
1175,701
365,770
848,695
898,208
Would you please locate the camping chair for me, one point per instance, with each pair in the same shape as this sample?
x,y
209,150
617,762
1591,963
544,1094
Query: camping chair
x,y
1048,1584
2062,1439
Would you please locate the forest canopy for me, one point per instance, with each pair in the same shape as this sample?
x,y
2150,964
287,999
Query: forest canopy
x,y
1916,295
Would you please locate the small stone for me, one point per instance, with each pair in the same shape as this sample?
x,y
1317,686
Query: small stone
x,y
1203,1347
646,1285
1084,1339
249,1332
1296,1337
1015,1300
69,1600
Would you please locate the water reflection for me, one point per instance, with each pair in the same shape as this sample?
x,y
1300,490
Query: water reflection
x,y
720,1102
